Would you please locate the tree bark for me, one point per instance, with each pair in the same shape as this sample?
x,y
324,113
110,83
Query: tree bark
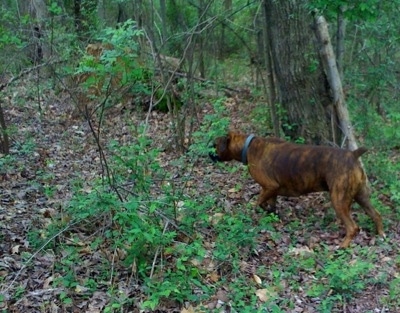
x,y
40,14
270,87
4,140
302,87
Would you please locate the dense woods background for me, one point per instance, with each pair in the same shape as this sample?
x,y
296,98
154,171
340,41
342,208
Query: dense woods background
x,y
107,111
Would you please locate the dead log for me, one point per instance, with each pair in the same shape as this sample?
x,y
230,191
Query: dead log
x,y
332,73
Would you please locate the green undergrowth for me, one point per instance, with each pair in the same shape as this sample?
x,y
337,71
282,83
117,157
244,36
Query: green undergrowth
x,y
329,278
143,223
151,238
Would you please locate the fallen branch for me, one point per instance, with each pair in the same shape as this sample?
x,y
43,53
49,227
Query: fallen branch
x,y
5,290
332,73
204,80
26,72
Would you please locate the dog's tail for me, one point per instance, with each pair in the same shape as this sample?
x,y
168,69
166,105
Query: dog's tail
x,y
359,152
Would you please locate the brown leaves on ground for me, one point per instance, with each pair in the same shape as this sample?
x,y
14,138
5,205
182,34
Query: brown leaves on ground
x,y
37,187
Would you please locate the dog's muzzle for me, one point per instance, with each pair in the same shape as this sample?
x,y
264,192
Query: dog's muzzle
x,y
214,157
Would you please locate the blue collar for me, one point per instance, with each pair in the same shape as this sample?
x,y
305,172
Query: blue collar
x,y
246,147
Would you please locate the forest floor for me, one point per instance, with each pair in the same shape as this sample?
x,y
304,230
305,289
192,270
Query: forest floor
x,y
51,151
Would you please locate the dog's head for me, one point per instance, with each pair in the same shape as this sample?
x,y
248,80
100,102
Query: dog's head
x,y
228,147
220,146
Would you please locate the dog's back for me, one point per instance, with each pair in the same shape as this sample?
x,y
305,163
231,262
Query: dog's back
x,y
300,169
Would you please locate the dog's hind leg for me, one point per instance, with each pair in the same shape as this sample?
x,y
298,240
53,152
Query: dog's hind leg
x,y
342,207
362,198
267,200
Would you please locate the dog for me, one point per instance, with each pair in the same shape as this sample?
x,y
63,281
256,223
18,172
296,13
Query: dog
x,y
287,169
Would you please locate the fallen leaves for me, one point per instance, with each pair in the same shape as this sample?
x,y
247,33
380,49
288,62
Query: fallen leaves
x,y
66,153
265,295
257,279
303,250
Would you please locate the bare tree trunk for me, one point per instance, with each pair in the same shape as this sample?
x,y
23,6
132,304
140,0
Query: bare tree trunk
x,y
138,12
221,46
40,14
4,141
341,29
201,43
84,12
329,62
270,87
163,14
302,86
257,58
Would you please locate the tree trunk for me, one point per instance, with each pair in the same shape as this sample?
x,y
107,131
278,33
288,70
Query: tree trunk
x,y
303,90
270,88
138,15
42,49
201,43
163,14
4,140
341,28
85,14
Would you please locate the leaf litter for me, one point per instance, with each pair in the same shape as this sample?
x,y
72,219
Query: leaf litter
x,y
51,150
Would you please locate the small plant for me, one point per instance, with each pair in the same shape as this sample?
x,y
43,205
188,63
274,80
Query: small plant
x,y
2,301
394,293
260,117
214,125
242,295
112,64
236,235
177,286
65,299
7,162
19,292
141,227
339,279
49,191
28,147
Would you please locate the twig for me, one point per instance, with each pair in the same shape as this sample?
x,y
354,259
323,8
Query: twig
x,y
204,80
34,255
27,71
157,252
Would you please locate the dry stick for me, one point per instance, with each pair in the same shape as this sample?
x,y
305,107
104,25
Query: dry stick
x,y
96,134
34,255
151,106
203,80
133,272
171,77
176,122
112,266
157,252
27,71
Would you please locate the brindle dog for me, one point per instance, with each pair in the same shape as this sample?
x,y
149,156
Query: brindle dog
x,y
286,169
